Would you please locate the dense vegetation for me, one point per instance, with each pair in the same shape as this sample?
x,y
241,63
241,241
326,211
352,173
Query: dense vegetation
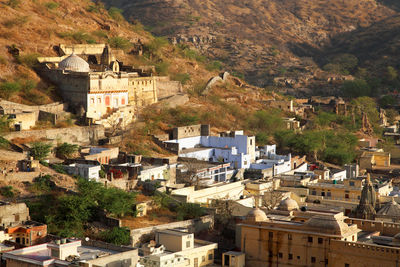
x,y
68,215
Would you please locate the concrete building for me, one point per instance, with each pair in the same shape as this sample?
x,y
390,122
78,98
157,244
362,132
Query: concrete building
x,y
103,155
154,172
27,233
71,252
290,237
90,172
374,159
99,87
179,248
218,191
12,214
236,149
24,120
202,172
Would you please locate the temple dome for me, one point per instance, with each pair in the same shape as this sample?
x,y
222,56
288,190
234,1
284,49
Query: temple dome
x,y
74,63
256,215
392,208
288,204
333,224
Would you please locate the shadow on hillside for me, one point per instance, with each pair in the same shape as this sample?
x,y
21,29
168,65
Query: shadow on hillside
x,y
393,4
379,40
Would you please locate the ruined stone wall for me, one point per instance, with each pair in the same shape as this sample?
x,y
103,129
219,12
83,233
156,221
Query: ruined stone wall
x,y
166,87
13,214
74,135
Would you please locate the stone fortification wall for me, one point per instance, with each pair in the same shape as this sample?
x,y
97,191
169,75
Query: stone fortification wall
x,y
166,87
11,107
13,213
196,225
74,135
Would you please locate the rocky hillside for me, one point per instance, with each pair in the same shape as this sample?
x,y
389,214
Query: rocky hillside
x,y
263,39
33,28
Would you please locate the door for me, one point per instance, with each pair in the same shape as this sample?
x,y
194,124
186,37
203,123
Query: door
x,y
196,262
107,100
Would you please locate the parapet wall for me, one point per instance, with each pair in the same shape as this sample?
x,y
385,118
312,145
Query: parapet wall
x,y
385,228
142,235
166,87
74,135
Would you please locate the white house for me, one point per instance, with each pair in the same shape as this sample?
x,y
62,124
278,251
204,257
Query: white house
x,y
90,172
238,150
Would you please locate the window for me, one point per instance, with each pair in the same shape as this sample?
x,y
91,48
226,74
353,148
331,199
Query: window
x,y
92,100
289,236
210,257
351,183
280,255
187,244
314,193
290,256
329,194
298,257
271,235
310,239
312,259
99,100
320,240
346,265
123,101
203,258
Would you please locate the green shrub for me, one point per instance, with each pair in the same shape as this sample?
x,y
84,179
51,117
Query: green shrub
x,y
18,21
356,88
78,36
7,89
7,191
51,5
43,184
116,13
162,68
29,60
214,65
118,236
182,77
188,211
58,168
66,150
100,34
4,143
119,43
14,3
40,151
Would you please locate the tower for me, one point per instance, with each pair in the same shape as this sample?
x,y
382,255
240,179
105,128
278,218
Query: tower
x,y
366,207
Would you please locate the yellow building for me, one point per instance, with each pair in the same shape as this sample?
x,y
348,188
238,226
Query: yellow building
x,y
374,159
179,249
290,237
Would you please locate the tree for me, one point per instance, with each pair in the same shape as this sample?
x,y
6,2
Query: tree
x,y
118,236
40,150
66,150
391,73
188,211
387,101
271,199
117,202
356,88
391,115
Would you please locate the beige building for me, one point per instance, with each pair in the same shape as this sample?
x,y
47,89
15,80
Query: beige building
x,y
374,159
97,86
179,248
290,237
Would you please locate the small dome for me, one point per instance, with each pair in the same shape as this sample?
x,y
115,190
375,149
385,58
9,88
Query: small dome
x,y
74,63
256,215
288,204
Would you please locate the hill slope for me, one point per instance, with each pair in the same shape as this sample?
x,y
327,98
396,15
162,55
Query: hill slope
x,y
259,38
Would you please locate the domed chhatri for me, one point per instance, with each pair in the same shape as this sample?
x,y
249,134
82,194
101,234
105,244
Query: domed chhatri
x,y
256,215
288,204
74,63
